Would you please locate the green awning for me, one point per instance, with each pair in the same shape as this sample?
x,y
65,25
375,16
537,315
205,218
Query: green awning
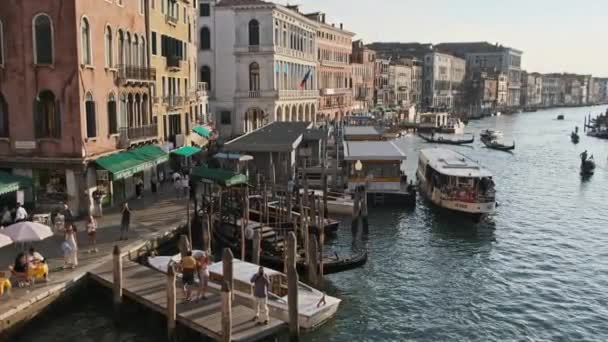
x,y
186,151
12,183
202,131
219,176
127,163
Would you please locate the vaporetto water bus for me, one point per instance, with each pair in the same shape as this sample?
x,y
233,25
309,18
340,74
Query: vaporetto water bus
x,y
454,181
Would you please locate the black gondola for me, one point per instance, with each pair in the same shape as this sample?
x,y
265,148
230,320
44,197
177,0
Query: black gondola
x,y
493,144
588,167
442,140
560,117
574,137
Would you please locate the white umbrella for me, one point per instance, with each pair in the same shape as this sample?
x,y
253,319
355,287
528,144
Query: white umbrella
x,y
27,231
4,240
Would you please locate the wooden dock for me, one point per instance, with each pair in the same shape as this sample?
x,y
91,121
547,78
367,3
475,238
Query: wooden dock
x,y
147,286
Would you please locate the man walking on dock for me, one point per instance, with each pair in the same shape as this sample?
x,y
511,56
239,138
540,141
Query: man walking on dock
x,y
260,283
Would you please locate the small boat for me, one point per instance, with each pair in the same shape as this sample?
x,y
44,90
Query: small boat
x,y
574,136
314,307
561,117
337,203
495,145
439,139
587,166
490,134
456,182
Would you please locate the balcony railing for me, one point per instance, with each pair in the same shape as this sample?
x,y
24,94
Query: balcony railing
x,y
171,19
298,93
254,48
254,94
173,62
127,73
141,132
174,101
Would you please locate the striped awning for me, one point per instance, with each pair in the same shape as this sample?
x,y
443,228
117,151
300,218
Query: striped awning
x,y
11,183
127,163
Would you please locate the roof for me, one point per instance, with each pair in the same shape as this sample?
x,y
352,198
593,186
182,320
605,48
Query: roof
x,y
233,156
202,131
463,48
451,163
222,177
230,3
314,134
186,151
126,163
361,130
10,182
372,150
274,137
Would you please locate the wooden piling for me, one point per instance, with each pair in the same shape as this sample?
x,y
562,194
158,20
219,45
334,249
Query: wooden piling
x,y
312,257
355,216
227,259
321,241
325,190
292,288
257,242
184,245
364,209
207,235
117,275
171,303
226,295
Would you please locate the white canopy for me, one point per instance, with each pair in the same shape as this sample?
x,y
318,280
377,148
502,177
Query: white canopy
x,y
5,240
27,231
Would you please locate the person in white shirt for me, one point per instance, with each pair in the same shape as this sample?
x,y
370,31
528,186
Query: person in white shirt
x,y
21,214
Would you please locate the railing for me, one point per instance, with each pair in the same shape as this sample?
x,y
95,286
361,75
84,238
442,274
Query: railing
x,y
254,94
136,73
174,101
173,61
298,93
254,48
171,19
141,132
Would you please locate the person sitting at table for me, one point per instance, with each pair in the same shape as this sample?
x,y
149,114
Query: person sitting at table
x,y
20,270
5,284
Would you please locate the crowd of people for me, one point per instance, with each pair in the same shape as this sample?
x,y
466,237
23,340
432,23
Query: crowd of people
x,y
17,214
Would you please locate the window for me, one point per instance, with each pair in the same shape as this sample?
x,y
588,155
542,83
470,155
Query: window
x,y
121,47
254,76
153,43
254,32
142,52
4,132
89,106
206,76
119,2
43,39
1,44
225,118
142,6
85,37
205,39
109,49
47,116
205,10
112,119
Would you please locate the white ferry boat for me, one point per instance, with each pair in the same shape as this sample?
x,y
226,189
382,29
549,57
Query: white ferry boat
x,y
454,181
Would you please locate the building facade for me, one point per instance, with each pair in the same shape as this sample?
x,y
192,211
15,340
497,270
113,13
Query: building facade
x,y
334,51
531,89
381,81
363,63
260,61
443,81
74,87
400,84
417,81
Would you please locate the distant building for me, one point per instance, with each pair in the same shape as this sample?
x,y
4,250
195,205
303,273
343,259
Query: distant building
x,y
400,84
485,91
551,90
443,81
363,61
381,85
483,56
531,89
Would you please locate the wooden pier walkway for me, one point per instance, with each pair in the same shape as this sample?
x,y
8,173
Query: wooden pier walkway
x,y
147,286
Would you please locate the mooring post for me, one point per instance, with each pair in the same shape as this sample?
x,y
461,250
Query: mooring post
x,y
257,242
364,209
226,295
325,192
117,275
312,257
321,242
207,235
355,216
292,288
184,245
171,303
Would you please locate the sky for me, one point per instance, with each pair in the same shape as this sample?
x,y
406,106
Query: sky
x,y
555,35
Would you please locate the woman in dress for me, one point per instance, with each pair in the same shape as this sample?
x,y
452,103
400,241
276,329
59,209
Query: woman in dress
x,y
71,253
92,233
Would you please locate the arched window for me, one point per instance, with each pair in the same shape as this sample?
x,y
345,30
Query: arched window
x,y
109,48
43,39
142,52
205,39
85,36
47,116
128,49
254,76
112,118
121,47
254,32
1,44
4,132
89,106
206,76
135,51
145,116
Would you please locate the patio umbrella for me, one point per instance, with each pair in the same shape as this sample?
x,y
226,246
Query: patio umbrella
x,y
27,232
4,240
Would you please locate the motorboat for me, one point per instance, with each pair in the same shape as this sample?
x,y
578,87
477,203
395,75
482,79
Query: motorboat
x,y
337,203
456,182
442,122
314,307
490,134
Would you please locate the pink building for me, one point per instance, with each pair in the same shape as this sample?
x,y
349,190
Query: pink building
x,y
74,81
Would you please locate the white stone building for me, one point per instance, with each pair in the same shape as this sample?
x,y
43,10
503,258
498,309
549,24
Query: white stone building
x,y
443,77
254,55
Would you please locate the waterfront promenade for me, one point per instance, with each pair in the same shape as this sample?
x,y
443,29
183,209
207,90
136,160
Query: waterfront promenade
x,y
151,218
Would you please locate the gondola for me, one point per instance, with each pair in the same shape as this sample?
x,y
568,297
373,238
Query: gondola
x,y
574,137
442,140
560,117
272,257
588,167
493,144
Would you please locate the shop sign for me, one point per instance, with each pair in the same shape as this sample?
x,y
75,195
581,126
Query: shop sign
x,y
25,145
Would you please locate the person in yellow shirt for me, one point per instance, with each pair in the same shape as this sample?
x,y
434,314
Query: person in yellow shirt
x,y
5,284
188,266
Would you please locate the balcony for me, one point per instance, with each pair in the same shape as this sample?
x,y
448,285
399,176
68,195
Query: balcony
x,y
136,74
200,91
173,62
174,101
336,91
169,19
298,93
254,94
129,135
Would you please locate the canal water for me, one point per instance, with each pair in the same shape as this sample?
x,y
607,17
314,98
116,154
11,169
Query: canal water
x,y
537,270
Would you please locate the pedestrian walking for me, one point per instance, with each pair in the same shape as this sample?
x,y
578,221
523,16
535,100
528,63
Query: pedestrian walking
x,y
92,234
260,283
68,216
70,248
125,221
185,186
139,187
177,183
20,214
188,266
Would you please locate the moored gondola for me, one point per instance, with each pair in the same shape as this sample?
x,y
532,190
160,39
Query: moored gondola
x,y
495,145
443,140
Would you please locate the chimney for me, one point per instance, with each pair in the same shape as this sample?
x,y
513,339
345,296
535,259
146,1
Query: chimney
x,y
341,26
